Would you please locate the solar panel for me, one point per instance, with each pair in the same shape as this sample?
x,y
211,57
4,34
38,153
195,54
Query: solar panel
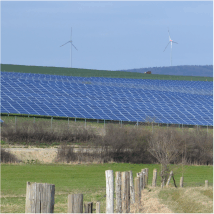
x,y
161,101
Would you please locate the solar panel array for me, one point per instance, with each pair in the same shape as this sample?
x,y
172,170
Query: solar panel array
x,y
160,101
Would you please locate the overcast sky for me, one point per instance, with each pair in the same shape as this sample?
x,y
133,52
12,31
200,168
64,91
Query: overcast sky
x,y
108,35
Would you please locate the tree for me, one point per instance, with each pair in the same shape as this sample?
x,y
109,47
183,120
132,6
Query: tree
x,y
163,145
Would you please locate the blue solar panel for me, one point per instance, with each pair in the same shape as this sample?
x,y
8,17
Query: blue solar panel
x,y
162,101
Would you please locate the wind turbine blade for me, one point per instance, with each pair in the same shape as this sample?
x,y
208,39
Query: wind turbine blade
x,y
169,35
74,46
65,43
174,42
166,47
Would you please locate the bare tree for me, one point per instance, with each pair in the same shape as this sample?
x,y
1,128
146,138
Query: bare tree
x,y
163,145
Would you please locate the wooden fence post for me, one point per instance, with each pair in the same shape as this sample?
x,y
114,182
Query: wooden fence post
x,y
39,198
206,183
154,179
125,192
181,181
147,176
162,183
88,206
98,207
140,175
170,175
75,203
143,171
137,189
109,191
132,195
118,192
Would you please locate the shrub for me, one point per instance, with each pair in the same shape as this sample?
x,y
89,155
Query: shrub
x,y
41,132
7,157
126,144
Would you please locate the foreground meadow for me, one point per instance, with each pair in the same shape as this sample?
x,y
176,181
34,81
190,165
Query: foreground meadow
x,y
89,179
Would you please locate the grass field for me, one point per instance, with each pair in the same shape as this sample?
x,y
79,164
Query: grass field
x,y
88,179
95,73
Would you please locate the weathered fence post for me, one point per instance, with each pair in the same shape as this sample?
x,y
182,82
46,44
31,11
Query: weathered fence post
x,y
88,206
118,192
206,183
98,207
75,203
162,183
170,175
125,191
137,189
109,191
39,198
147,176
132,195
181,181
140,175
154,179
143,172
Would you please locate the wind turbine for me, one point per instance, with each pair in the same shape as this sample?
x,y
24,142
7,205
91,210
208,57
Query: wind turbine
x,y
70,41
170,41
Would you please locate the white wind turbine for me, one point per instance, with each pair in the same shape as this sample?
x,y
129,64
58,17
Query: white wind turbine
x,y
170,41
70,41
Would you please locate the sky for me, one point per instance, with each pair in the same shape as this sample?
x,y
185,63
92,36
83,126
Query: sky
x,y
108,35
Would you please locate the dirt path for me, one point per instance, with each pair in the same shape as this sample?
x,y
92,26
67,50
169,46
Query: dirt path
x,y
150,203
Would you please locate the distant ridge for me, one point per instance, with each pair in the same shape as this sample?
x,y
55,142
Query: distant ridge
x,y
97,73
181,70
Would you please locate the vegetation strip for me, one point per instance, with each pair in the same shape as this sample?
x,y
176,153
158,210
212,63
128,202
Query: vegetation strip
x,y
94,73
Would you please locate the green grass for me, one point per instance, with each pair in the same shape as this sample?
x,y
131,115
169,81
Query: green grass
x,y
14,177
187,200
88,179
94,73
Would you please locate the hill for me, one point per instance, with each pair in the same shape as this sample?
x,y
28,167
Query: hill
x,y
182,70
95,73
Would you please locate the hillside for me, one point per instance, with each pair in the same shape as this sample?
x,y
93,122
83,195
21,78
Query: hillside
x,y
182,70
96,73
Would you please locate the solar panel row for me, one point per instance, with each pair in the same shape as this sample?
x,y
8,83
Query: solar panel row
x,y
108,98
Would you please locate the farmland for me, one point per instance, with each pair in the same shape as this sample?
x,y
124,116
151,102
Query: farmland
x,y
95,73
88,179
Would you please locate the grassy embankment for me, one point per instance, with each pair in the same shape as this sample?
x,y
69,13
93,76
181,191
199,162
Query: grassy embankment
x,y
95,73
89,179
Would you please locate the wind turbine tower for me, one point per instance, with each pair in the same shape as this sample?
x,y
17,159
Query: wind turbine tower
x,y
170,41
70,41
